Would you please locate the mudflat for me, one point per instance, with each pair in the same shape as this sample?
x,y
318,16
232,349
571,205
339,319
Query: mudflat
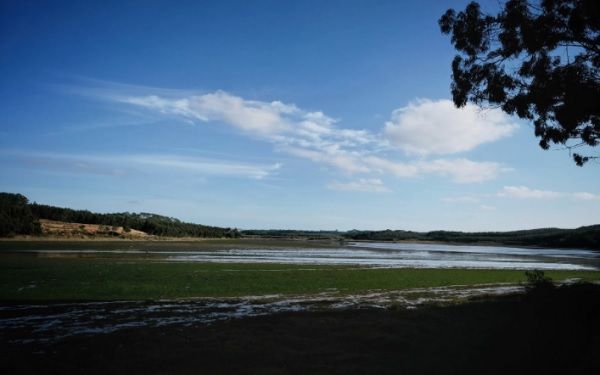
x,y
555,330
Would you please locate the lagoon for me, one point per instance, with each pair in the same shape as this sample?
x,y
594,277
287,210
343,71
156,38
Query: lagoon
x,y
405,255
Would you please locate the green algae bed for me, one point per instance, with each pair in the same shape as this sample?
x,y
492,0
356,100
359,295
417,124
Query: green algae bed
x,y
29,277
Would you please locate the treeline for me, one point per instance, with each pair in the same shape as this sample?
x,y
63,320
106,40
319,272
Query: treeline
x,y
289,233
583,237
18,216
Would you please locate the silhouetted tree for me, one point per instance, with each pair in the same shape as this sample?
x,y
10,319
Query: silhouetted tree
x,y
540,61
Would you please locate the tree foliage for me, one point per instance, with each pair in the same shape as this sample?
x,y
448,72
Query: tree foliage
x,y
537,279
18,216
540,61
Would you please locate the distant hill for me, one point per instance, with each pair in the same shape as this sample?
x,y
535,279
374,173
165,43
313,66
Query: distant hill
x,y
19,217
587,237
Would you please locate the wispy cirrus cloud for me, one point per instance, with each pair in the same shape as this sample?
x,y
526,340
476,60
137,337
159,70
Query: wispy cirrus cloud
x,y
583,196
524,192
464,170
316,136
371,185
458,170
128,164
461,199
472,201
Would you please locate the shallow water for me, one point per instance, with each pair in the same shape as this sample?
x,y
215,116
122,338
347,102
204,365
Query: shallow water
x,y
377,254
405,255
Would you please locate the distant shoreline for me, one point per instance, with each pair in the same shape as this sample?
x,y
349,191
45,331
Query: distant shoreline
x,y
43,223
253,241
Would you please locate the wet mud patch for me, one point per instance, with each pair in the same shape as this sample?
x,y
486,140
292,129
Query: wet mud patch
x,y
48,323
553,331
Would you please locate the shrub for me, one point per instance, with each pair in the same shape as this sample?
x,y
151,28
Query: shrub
x,y
537,279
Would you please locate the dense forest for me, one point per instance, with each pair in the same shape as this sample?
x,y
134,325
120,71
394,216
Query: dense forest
x,y
18,216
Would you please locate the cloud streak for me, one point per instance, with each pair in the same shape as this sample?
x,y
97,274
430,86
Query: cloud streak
x,y
461,199
524,192
128,164
371,185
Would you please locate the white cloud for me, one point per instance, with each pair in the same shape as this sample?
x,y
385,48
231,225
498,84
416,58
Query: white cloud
x,y
247,115
315,136
372,185
486,207
523,192
437,127
307,134
583,196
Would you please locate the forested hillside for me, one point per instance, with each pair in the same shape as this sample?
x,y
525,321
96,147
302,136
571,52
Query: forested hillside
x,y
18,216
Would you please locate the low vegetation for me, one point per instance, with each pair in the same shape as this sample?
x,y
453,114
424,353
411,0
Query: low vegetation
x,y
30,277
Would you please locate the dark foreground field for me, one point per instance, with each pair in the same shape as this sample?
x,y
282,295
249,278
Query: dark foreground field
x,y
555,331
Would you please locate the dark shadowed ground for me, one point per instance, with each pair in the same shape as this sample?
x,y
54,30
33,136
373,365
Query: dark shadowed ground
x,y
553,331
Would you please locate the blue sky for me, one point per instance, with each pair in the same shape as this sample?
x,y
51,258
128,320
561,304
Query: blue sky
x,y
267,114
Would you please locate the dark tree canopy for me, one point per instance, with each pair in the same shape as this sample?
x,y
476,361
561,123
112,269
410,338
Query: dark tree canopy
x,y
18,216
540,61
